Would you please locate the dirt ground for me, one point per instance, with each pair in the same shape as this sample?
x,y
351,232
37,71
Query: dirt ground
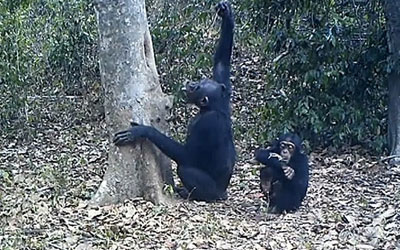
x,y
353,202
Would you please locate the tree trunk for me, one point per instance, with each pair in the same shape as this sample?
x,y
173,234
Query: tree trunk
x,y
132,92
392,9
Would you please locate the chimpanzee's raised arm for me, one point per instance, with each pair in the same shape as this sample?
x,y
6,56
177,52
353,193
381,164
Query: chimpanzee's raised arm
x,y
222,57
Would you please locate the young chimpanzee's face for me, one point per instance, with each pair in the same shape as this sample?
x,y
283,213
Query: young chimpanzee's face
x,y
206,93
289,146
287,149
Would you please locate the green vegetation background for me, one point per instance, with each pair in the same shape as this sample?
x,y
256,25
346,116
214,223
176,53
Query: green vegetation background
x,y
322,64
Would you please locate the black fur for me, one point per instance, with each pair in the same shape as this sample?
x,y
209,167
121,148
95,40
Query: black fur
x,y
206,160
284,194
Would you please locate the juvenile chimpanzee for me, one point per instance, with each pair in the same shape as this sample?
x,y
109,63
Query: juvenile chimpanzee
x,y
285,175
205,162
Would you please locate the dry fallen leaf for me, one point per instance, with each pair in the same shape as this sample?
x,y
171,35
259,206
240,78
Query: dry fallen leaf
x,y
46,184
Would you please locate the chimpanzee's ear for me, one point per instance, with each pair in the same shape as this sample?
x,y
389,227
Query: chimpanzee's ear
x,y
204,101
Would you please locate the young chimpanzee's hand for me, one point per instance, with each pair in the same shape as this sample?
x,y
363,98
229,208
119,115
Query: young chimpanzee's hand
x,y
275,155
288,171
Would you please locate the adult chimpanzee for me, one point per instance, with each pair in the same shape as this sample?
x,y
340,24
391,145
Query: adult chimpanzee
x,y
285,175
205,162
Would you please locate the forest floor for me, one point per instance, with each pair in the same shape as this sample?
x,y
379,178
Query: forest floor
x,y
353,201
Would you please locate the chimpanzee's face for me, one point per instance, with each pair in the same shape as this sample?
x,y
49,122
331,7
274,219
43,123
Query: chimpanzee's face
x,y
206,93
287,149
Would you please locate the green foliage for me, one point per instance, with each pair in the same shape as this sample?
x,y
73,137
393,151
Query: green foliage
x,y
328,58
183,40
46,48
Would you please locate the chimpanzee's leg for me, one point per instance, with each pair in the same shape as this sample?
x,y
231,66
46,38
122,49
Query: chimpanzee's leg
x,y
283,198
266,177
199,185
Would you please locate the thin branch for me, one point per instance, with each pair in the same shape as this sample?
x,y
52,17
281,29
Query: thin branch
x,y
389,158
285,53
53,97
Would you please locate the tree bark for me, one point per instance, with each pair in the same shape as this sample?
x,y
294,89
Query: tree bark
x,y
392,10
132,92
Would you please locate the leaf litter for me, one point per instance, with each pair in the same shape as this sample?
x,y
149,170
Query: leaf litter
x,y
47,180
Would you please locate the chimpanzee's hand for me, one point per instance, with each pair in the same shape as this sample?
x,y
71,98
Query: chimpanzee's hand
x,y
224,9
275,155
129,136
288,171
